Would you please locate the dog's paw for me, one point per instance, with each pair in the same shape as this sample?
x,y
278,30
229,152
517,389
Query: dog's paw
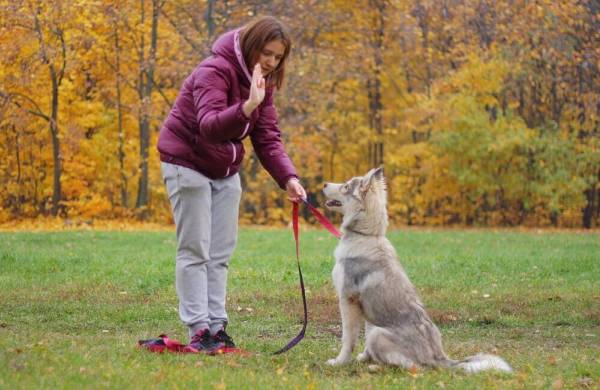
x,y
363,357
337,362
374,368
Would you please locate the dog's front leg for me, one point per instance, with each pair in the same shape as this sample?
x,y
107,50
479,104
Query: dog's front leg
x,y
364,356
352,319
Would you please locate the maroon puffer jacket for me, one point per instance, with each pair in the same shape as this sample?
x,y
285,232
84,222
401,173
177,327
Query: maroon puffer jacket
x,y
206,126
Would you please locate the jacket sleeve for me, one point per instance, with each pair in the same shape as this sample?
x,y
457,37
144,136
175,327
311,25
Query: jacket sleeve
x,y
267,143
217,121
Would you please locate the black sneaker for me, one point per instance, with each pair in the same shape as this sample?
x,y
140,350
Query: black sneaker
x,y
204,342
223,337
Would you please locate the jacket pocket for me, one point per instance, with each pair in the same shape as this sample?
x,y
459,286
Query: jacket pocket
x,y
237,155
220,159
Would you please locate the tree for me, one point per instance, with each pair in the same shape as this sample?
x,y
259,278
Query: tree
x,y
45,22
145,87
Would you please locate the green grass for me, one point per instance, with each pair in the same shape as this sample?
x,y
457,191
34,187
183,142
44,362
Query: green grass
x,y
74,304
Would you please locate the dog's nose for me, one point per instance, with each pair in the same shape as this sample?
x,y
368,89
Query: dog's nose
x,y
325,185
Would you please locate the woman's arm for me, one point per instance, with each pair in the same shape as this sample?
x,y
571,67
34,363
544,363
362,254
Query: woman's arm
x,y
217,121
268,145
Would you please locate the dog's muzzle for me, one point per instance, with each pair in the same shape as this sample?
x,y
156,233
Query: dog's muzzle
x,y
333,203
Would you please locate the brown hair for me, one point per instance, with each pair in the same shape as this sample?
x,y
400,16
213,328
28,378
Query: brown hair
x,y
255,35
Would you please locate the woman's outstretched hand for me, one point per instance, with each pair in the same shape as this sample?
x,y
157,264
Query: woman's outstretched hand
x,y
295,190
257,91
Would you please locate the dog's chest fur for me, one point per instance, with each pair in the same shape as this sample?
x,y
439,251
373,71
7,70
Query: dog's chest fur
x,y
360,263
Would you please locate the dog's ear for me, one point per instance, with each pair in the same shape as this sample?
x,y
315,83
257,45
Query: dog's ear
x,y
373,178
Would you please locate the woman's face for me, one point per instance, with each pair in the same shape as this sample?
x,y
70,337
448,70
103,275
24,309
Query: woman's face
x,y
270,56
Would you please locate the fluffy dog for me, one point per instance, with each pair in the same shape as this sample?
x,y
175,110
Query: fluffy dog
x,y
373,288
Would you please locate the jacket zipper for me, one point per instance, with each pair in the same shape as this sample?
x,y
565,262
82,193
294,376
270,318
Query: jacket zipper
x,y
245,131
233,159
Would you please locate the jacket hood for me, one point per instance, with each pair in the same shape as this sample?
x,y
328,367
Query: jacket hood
x,y
228,47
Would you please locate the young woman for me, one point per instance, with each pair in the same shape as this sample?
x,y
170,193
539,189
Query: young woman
x,y
228,97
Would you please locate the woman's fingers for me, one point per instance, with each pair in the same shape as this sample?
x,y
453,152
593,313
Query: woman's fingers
x,y
257,73
257,87
295,190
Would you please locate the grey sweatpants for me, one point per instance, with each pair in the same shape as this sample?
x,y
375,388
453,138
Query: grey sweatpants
x,y
206,217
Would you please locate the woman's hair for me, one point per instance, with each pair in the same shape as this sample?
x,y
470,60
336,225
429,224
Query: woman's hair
x,y
255,35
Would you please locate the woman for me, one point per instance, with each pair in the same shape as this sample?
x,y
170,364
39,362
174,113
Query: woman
x,y
227,98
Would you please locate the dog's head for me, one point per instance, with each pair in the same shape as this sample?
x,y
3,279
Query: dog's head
x,y
362,201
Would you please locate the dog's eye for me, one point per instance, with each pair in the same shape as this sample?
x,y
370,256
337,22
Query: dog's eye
x,y
345,188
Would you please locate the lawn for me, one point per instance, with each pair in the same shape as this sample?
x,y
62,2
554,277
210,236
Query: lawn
x,y
73,305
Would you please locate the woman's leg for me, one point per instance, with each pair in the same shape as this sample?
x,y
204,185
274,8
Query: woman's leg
x,y
226,194
190,196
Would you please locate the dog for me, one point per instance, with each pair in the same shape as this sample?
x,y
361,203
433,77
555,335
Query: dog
x,y
373,288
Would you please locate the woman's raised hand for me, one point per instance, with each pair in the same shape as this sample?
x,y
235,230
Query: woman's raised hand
x,y
257,91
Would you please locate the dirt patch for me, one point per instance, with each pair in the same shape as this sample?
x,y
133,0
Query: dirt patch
x,y
510,306
323,308
594,316
443,317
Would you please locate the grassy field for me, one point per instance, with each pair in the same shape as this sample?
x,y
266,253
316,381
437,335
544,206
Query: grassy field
x,y
74,304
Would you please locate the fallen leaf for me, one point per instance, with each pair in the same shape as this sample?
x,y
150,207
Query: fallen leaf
x,y
18,366
373,368
585,381
558,384
413,371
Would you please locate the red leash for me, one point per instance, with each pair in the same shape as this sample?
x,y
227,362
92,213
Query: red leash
x,y
164,343
321,218
329,226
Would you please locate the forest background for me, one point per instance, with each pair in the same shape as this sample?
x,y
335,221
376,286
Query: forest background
x,y
483,112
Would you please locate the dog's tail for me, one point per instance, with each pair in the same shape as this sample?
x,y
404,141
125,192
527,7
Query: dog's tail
x,y
481,362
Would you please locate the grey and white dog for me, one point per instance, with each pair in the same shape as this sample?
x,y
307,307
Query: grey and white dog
x,y
373,288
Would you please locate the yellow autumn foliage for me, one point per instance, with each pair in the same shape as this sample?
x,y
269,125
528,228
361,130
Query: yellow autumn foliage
x,y
484,113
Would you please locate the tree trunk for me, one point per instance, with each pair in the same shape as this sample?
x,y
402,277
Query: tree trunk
x,y
208,18
420,13
145,90
57,158
56,79
591,206
121,150
374,86
17,207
